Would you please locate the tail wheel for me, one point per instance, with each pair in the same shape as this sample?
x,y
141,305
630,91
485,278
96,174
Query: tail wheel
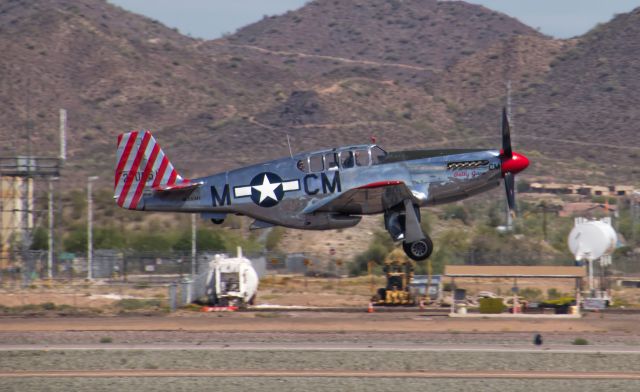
x,y
418,250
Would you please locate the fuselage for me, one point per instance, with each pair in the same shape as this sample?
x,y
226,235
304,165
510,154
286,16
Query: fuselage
x,y
285,191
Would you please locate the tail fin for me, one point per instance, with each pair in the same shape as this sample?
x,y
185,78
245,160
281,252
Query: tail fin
x,y
140,163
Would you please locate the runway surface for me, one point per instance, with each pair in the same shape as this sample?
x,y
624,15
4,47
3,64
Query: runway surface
x,y
317,352
340,347
323,373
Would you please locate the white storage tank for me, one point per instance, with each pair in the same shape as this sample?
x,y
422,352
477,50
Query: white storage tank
x,y
232,281
592,239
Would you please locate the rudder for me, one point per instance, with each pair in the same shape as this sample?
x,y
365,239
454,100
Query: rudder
x,y
140,163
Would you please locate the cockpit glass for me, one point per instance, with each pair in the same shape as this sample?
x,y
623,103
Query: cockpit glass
x,y
331,161
377,155
346,158
316,163
362,157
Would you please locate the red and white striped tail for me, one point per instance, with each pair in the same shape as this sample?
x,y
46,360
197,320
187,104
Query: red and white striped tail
x,y
140,163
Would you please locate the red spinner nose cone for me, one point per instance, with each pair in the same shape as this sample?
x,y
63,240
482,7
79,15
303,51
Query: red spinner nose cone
x,y
515,164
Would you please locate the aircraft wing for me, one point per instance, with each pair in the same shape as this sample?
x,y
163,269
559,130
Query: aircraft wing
x,y
185,186
366,199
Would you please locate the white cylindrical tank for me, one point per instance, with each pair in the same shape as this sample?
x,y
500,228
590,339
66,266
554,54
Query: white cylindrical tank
x,y
590,240
232,281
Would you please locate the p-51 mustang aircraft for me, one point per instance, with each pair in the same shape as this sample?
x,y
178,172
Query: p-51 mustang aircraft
x,y
320,190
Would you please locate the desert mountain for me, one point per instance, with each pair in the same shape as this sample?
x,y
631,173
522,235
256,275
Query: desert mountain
x,y
412,73
424,33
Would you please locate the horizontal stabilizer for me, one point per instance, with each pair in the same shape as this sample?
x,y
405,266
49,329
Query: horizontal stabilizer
x,y
181,187
258,224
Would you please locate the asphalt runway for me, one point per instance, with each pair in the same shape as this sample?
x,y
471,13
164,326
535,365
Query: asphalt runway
x,y
317,352
537,375
338,347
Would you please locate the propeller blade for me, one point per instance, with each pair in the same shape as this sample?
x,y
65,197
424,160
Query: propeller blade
x,y
506,135
510,187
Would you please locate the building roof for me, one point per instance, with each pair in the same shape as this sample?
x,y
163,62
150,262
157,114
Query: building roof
x,y
514,271
570,209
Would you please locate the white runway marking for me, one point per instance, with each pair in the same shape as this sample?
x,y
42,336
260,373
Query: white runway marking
x,y
325,374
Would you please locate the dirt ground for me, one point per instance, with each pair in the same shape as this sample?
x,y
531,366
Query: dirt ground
x,y
352,294
321,322
81,295
169,341
278,290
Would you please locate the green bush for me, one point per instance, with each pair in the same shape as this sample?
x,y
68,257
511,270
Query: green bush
x,y
553,293
379,248
562,301
580,342
531,293
454,211
274,237
106,339
491,306
136,304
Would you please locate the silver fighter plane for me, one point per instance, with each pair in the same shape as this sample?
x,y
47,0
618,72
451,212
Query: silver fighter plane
x,y
320,190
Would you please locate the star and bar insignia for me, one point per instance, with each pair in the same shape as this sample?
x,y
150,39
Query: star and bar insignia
x,y
266,189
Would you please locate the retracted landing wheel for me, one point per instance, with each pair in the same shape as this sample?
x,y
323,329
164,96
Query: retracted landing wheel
x,y
418,250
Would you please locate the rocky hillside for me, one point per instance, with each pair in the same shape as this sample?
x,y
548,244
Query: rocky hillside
x,y
423,33
412,73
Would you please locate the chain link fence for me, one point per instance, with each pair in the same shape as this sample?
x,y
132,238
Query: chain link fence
x,y
173,270
149,266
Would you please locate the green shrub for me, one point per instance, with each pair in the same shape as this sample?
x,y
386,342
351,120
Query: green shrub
x,y
106,339
48,306
553,293
274,237
531,293
137,304
562,301
580,342
491,306
192,307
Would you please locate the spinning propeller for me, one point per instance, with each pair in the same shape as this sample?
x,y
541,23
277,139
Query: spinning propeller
x,y
512,163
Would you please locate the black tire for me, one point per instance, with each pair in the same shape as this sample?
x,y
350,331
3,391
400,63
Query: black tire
x,y
217,221
419,250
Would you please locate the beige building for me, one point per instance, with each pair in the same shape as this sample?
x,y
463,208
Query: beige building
x,y
12,212
585,190
589,210
621,190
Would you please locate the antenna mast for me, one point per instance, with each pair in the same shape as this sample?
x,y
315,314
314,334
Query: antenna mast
x,y
63,135
289,143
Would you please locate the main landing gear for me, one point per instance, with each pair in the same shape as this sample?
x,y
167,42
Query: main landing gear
x,y
403,224
418,250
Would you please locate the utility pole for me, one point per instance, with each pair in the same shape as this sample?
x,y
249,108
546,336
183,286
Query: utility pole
x,y
63,135
193,246
50,237
544,208
635,195
90,181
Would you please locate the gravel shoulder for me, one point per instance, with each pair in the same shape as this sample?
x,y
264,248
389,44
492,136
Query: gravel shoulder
x,y
313,384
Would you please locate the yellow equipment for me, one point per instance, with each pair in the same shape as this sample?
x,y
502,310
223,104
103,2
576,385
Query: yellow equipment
x,y
398,269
